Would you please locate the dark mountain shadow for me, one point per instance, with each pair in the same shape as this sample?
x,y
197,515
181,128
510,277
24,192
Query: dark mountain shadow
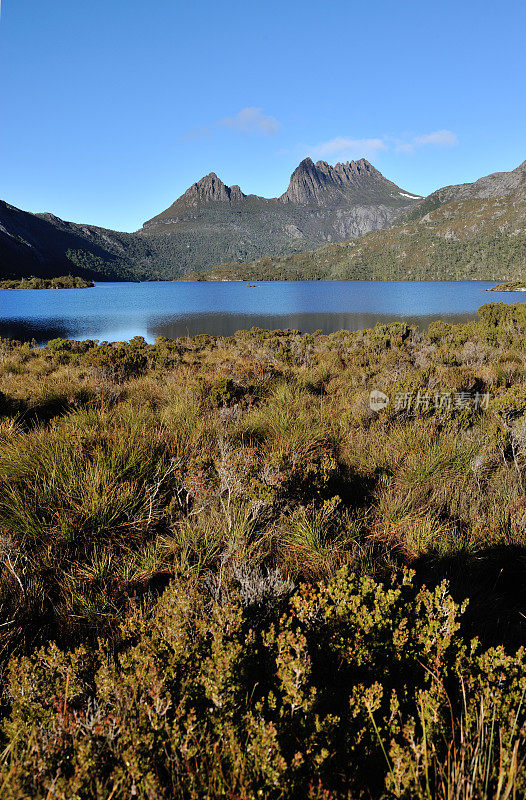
x,y
38,245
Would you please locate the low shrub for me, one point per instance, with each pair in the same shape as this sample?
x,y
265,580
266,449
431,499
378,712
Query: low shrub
x,y
351,688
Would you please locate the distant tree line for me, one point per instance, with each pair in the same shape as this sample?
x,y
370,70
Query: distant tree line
x,y
64,282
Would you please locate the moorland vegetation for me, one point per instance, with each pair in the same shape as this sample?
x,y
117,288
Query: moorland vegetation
x,y
223,574
508,286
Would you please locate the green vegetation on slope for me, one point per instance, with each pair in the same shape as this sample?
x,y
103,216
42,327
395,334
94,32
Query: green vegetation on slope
x,y
465,240
64,282
204,555
210,223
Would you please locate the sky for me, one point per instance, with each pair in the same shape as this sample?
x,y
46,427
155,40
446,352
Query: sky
x,y
109,110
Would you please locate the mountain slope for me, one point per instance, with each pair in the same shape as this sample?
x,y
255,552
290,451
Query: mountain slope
x,y
478,231
475,230
498,184
45,246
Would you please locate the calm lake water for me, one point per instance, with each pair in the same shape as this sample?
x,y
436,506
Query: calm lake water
x,y
119,311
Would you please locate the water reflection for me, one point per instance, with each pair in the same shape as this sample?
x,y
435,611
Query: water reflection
x,y
119,311
27,331
228,324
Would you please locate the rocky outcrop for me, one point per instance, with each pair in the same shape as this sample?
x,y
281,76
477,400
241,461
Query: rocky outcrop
x,y
308,184
209,189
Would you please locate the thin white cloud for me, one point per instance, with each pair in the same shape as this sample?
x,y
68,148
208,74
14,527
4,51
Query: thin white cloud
x,y
442,138
404,147
251,120
344,147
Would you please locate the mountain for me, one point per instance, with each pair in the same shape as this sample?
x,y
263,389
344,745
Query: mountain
x,y
475,230
215,222
45,246
209,224
498,184
317,186
471,231
355,182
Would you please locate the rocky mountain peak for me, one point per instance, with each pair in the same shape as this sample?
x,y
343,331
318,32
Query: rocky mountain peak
x,y
307,182
352,184
211,189
321,183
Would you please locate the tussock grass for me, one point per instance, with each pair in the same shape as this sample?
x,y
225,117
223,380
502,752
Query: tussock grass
x,y
236,469
87,477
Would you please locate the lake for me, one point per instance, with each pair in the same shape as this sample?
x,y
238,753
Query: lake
x,y
119,311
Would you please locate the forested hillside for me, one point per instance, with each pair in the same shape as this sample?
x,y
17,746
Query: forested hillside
x,y
472,239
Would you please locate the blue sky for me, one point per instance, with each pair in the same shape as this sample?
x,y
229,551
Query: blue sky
x,y
111,109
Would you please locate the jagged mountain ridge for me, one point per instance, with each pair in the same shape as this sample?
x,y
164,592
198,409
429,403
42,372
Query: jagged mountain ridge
x,y
213,223
353,183
209,224
480,227
473,231
356,182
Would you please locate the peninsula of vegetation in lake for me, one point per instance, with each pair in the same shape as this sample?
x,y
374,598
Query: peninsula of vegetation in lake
x,y
266,560
63,282
509,286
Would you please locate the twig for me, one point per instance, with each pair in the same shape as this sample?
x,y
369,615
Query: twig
x,y
12,570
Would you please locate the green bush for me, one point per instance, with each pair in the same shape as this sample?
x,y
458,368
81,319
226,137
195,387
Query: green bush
x,y
118,362
351,689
